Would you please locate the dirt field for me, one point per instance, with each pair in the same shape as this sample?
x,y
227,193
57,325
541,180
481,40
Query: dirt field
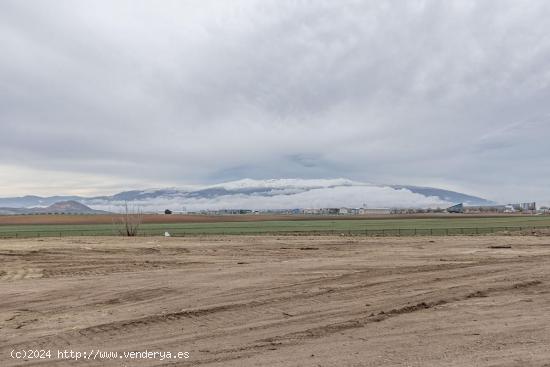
x,y
184,218
289,301
147,218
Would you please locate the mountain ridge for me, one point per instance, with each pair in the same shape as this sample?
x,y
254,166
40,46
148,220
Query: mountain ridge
x,y
61,207
266,194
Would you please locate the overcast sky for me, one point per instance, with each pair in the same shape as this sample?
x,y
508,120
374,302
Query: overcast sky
x,y
102,96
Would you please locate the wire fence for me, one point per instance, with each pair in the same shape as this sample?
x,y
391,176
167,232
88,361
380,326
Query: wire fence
x,y
216,231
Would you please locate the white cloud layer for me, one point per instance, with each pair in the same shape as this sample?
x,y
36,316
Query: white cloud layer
x,y
325,197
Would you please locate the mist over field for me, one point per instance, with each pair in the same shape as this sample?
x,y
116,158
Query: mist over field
x,y
316,196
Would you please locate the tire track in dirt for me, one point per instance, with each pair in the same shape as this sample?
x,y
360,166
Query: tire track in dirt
x,y
92,262
231,316
357,322
289,339
326,330
384,315
9,275
237,311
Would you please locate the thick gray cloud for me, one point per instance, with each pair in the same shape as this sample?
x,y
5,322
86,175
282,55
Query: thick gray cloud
x,y
99,95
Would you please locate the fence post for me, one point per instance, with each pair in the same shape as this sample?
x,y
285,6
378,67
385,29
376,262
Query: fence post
x,y
431,231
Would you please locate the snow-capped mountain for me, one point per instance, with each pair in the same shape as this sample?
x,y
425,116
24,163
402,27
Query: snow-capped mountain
x,y
266,194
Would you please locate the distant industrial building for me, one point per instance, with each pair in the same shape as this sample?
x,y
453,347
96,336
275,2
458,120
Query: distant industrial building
x,y
346,211
458,208
234,211
366,211
525,206
510,208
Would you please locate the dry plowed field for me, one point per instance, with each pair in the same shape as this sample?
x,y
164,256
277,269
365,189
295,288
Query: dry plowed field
x,y
268,301
179,218
185,218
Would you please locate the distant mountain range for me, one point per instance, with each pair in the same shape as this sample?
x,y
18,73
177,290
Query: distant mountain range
x,y
62,207
259,194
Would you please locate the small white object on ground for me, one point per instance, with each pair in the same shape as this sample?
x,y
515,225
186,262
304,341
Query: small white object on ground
x,y
166,234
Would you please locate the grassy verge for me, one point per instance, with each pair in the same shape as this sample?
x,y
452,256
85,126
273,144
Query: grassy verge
x,y
403,227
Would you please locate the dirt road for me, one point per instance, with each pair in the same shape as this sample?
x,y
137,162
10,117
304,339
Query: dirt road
x,y
268,301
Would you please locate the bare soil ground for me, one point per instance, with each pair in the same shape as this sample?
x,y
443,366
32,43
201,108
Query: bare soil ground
x,y
288,301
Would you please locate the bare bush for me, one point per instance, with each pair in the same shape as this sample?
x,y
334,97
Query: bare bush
x,y
130,221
